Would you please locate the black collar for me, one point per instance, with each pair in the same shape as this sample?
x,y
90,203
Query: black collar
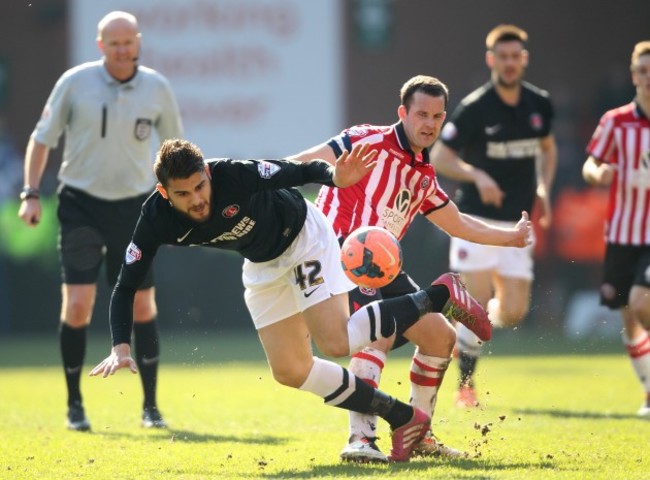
x,y
405,145
639,111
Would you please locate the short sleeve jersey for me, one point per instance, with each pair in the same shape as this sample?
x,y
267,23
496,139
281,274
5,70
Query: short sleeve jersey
x,y
622,139
111,128
503,141
402,185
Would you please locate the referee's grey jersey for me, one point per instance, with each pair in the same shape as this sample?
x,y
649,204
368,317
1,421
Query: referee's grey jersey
x,y
110,127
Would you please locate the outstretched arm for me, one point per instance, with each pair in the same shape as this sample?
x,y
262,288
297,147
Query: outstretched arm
x,y
474,230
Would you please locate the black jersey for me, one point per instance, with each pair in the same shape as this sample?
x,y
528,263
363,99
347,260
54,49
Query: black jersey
x,y
254,212
503,141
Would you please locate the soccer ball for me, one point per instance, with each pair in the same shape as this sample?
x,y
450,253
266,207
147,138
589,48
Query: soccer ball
x,y
371,257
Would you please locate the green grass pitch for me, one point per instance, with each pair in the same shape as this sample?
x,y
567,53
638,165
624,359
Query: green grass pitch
x,y
546,414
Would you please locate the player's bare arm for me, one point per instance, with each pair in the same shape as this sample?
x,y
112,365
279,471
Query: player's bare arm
x,y
597,173
546,167
120,357
35,160
447,162
352,166
469,228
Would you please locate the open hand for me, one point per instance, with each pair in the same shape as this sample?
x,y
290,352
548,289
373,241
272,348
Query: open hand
x,y
352,166
120,357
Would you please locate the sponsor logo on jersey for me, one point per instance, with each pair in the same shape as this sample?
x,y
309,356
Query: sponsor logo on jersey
x,y
244,226
514,149
230,211
449,131
180,239
267,169
394,219
536,121
492,129
399,155
133,254
143,128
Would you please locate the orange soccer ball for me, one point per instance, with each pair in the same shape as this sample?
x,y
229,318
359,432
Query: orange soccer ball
x,y
371,257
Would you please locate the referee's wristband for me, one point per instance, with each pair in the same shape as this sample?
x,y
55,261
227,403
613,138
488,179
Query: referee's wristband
x,y
29,192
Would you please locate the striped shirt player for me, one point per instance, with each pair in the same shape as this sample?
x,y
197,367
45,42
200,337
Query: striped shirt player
x,y
113,112
622,139
619,157
402,186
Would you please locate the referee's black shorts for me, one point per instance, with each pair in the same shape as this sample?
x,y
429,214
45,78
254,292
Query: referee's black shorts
x,y
625,266
92,230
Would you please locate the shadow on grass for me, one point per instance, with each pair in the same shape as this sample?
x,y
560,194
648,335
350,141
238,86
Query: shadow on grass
x,y
575,414
415,465
186,436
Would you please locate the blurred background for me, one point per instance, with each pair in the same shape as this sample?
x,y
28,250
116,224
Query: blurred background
x,y
268,78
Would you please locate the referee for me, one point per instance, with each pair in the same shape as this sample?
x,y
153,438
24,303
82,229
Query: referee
x,y
112,110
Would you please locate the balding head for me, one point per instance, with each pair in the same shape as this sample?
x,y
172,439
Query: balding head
x,y
116,19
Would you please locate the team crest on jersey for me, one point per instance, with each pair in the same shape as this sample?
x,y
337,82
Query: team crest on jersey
x,y
536,121
133,254
371,292
143,128
426,181
267,169
230,211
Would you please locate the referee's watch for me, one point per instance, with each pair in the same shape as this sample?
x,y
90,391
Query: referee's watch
x,y
29,192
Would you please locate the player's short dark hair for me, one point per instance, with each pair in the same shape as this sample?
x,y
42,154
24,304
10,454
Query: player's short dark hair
x,y
177,158
505,33
425,84
641,48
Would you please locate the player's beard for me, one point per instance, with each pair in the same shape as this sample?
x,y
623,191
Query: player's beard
x,y
509,85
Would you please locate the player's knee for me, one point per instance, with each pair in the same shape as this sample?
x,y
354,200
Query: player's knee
x,y
334,348
289,377
640,309
76,311
144,306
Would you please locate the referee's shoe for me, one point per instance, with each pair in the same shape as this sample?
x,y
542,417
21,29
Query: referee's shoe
x,y
151,418
77,418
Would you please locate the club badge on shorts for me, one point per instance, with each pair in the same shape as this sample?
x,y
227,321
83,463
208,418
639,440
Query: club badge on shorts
x,y
143,128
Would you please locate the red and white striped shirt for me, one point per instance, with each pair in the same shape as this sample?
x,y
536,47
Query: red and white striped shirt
x,y
399,187
623,139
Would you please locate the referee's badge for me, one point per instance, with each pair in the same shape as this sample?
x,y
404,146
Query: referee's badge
x,y
133,254
143,128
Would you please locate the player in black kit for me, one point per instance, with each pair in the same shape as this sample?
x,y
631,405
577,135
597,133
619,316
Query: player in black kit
x,y
295,287
494,142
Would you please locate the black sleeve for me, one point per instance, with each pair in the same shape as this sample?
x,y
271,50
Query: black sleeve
x,y
137,260
259,175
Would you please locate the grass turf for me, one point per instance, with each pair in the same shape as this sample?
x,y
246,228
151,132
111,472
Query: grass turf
x,y
557,412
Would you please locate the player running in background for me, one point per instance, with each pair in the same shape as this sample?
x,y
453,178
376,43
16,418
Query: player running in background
x,y
112,110
619,156
498,144
402,186
296,290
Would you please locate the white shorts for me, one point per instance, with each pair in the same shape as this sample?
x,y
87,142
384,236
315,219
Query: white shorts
x,y
307,273
510,262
